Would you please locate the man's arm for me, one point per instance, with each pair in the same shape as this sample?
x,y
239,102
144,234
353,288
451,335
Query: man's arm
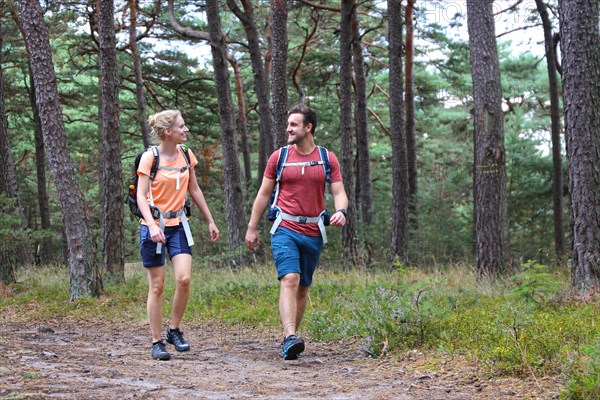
x,y
340,200
258,209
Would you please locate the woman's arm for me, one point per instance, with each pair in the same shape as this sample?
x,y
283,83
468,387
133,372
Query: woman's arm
x,y
142,200
198,197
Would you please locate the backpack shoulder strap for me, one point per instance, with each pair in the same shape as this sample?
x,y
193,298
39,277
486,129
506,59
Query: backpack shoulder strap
x,y
155,162
186,153
283,153
326,164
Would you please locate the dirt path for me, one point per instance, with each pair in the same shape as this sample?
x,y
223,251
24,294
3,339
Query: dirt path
x,y
101,361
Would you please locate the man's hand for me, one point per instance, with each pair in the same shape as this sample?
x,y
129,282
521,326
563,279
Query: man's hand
x,y
252,239
338,219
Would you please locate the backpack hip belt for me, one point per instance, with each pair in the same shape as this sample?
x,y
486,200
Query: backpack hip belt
x,y
184,222
281,216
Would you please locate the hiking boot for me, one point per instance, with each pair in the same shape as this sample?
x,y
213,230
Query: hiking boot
x,y
159,351
175,337
291,347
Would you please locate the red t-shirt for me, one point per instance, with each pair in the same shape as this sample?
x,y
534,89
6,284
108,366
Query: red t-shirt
x,y
302,188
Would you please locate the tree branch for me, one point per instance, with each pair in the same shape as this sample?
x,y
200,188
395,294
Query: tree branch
x,y
182,30
509,8
521,28
379,121
320,6
296,73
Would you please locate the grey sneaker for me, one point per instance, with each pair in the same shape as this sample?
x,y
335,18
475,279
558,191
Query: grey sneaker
x,y
291,347
175,337
159,351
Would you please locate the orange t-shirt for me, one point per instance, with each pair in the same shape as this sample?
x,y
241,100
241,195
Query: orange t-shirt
x,y
167,195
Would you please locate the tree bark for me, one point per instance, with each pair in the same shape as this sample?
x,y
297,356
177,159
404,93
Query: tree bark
x,y
242,123
363,170
43,251
491,222
411,131
400,200
580,46
278,72
261,84
349,237
112,180
234,201
83,267
44,254
557,173
137,72
9,195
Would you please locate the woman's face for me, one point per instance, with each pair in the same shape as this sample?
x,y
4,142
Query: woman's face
x,y
178,132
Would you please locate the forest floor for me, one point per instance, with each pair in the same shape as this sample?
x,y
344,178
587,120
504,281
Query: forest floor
x,y
66,359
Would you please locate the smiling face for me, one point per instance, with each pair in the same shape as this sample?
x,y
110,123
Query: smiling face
x,y
178,131
297,131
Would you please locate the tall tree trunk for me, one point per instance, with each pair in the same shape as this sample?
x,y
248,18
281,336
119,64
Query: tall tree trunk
x,y
557,175
411,131
261,83
9,195
278,72
112,180
580,45
44,253
234,201
363,170
137,72
400,199
83,267
242,120
491,223
349,238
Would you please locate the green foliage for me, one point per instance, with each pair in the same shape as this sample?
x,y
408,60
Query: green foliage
x,y
174,78
509,330
536,284
583,373
506,328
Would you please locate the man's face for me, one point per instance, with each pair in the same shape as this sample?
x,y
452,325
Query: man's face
x,y
296,129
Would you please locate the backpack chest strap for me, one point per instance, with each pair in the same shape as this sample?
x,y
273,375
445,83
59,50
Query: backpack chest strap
x,y
303,164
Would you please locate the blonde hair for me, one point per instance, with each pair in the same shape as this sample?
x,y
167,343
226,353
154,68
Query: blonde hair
x,y
161,121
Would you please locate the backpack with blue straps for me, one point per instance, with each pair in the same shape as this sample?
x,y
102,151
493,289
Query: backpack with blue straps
x,y
275,213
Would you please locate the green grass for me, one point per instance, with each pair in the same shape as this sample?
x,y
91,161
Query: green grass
x,y
528,324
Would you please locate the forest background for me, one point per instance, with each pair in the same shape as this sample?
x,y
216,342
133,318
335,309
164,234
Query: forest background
x,y
175,77
155,55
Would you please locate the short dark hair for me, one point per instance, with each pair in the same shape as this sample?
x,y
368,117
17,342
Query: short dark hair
x,y
310,116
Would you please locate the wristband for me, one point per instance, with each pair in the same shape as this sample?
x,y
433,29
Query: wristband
x,y
343,211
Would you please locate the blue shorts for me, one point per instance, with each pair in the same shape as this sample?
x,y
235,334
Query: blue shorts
x,y
176,244
296,254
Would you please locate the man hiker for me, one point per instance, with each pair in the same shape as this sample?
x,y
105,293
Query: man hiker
x,y
295,180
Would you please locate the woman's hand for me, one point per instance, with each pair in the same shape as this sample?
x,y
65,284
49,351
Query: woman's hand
x,y
156,234
214,232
